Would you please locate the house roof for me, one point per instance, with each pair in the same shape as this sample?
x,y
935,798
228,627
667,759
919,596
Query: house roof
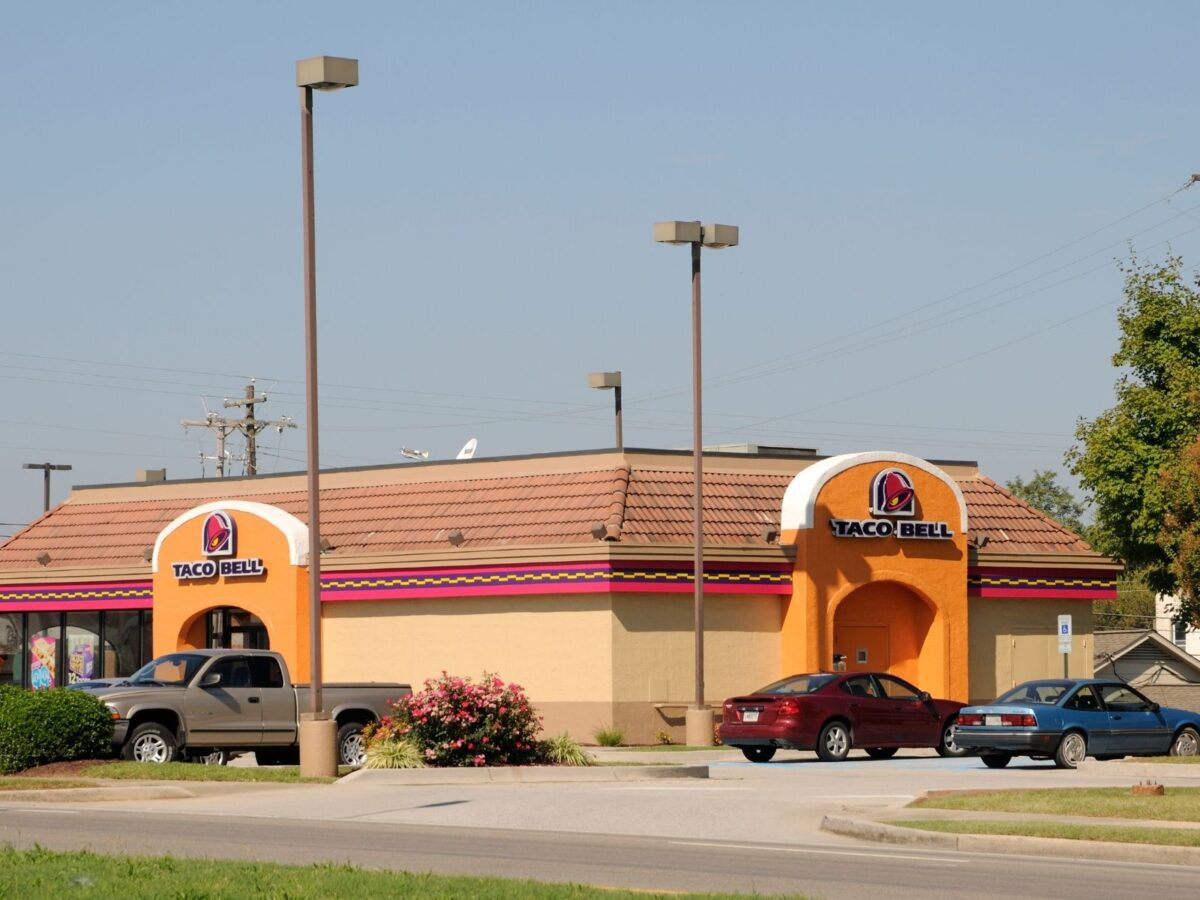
x,y
1142,647
635,497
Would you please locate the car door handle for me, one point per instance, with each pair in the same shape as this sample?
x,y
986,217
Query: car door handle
x,y
253,699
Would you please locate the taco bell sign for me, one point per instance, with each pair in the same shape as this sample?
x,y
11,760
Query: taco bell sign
x,y
219,544
893,496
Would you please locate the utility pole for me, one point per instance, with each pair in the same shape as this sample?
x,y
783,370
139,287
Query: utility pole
x,y
251,426
248,425
46,468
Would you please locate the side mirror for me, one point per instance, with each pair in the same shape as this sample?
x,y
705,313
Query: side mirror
x,y
1154,707
924,696
212,679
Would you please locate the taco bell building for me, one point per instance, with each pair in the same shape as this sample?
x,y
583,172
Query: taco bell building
x,y
569,573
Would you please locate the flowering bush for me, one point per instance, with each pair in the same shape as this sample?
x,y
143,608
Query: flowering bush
x,y
458,722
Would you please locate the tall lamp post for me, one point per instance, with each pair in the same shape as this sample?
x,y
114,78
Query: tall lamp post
x,y
605,381
698,726
47,468
318,733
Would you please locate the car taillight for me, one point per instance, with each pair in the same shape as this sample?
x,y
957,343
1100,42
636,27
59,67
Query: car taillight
x,y
788,708
1018,721
970,719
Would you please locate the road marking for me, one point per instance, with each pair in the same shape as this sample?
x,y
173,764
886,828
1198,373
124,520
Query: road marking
x,y
831,852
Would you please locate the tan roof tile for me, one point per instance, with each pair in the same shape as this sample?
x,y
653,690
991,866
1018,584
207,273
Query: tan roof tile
x,y
639,505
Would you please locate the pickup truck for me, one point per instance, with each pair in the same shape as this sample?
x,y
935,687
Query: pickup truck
x,y
207,704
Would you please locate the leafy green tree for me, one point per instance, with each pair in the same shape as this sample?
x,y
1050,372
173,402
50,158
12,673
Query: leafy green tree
x,y
1044,493
1132,608
1135,459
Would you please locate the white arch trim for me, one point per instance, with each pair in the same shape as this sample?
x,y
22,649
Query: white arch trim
x,y
800,498
293,529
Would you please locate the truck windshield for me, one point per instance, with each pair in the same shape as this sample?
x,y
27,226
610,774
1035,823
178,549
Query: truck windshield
x,y
172,669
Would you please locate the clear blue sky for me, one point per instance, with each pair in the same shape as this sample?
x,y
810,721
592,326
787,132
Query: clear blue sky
x,y
932,199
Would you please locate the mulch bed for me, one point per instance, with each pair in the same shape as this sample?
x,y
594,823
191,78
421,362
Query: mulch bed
x,y
69,769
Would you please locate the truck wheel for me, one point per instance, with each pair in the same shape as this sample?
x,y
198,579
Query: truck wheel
x,y
351,749
288,757
212,758
151,742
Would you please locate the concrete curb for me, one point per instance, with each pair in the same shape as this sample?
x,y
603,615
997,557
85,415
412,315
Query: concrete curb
x,y
520,774
1009,844
86,794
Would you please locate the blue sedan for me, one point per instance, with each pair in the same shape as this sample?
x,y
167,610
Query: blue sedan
x,y
1069,719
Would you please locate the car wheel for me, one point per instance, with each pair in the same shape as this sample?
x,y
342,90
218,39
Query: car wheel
x,y
1186,743
947,745
881,752
151,742
758,754
1072,750
351,748
996,760
213,758
834,742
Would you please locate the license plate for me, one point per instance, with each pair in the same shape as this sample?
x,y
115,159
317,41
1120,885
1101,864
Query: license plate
x,y
991,720
750,715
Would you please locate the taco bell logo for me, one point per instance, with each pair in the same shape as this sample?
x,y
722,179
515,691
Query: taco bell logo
x,y
892,494
219,534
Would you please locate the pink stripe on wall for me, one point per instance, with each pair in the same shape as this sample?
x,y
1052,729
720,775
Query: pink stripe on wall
x,y
72,605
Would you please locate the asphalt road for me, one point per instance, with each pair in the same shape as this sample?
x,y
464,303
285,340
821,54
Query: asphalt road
x,y
636,862
750,828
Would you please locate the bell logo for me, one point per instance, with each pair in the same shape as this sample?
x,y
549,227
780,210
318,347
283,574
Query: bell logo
x,y
219,535
892,494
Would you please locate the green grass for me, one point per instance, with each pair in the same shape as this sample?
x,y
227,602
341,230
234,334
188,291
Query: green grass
x,y
42,784
43,873
1125,834
1178,804
180,771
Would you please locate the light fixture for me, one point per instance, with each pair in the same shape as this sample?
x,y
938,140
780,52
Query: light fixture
x,y
409,453
148,552
610,381
326,546
43,558
599,531
770,534
456,538
698,719
317,731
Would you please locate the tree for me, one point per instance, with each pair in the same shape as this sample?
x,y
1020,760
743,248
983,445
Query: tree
x,y
1045,494
1136,460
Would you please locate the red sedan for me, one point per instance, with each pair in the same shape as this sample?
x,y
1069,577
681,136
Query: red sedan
x,y
834,712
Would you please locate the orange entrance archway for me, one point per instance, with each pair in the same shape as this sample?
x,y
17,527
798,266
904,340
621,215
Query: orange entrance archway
x,y
237,555
880,567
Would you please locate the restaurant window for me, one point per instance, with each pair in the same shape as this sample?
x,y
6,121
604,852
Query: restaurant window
x,y
83,646
44,645
12,660
122,653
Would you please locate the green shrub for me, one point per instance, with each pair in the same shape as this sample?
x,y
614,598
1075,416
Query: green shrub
x,y
394,754
39,727
612,736
564,750
663,737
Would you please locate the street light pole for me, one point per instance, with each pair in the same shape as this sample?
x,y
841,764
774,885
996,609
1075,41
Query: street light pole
x,y
607,381
46,468
318,751
699,718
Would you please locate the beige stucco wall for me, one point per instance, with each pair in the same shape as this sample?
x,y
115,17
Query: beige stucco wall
x,y
586,662
559,648
1015,640
654,655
